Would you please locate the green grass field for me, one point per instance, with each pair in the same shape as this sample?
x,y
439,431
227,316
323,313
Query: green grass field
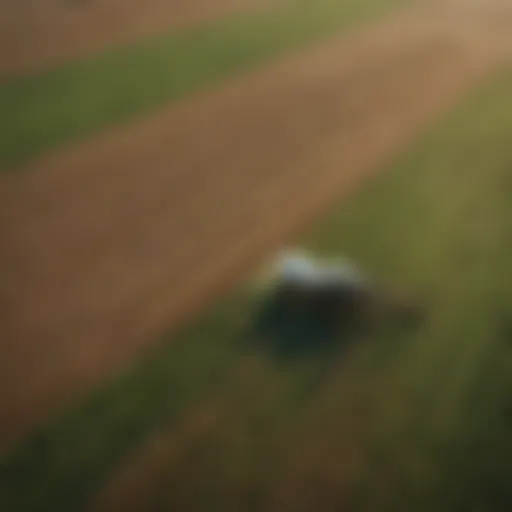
x,y
44,111
404,421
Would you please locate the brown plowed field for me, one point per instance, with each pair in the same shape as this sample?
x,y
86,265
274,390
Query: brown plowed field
x,y
108,242
38,34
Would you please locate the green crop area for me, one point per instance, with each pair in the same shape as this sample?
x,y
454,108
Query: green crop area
x,y
404,420
47,110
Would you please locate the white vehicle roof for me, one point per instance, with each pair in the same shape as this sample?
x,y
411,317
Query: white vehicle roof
x,y
297,267
300,268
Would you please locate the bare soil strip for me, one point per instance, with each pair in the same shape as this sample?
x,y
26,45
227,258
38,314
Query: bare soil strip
x,y
107,243
41,34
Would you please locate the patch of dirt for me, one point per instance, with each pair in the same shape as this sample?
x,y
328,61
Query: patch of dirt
x,y
37,35
108,242
146,470
159,474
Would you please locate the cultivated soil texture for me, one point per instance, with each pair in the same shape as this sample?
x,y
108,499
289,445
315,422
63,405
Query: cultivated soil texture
x,y
36,35
110,241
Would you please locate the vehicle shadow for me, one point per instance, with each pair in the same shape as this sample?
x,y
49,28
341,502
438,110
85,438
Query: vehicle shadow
x,y
289,333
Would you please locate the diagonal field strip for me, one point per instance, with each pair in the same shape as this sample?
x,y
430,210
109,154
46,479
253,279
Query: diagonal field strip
x,y
136,229
45,111
45,34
